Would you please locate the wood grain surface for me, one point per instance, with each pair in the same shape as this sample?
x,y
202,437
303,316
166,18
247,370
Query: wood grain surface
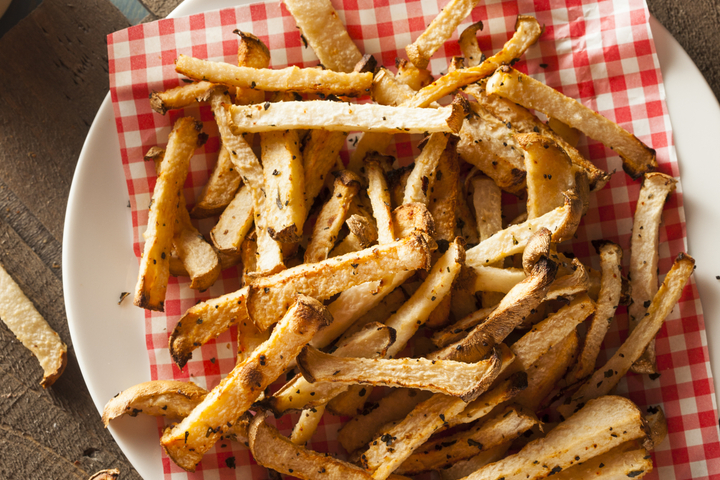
x,y
54,77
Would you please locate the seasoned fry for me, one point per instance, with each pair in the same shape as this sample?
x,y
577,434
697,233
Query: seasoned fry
x,y
523,121
248,257
571,284
608,300
307,424
569,134
380,200
319,156
181,96
160,398
443,195
270,296
549,173
545,372
284,185
469,45
389,450
605,378
270,257
562,222
439,31
620,463
290,79
363,233
325,33
436,286
644,255
511,311
537,247
359,431
505,425
220,188
490,145
187,442
154,265
19,314
423,173
637,157
272,450
205,321
370,342
486,403
340,116
466,226
657,424
488,209
369,142
332,216
234,223
386,90
412,217
463,468
455,379
527,31
412,76
585,435
495,279
457,330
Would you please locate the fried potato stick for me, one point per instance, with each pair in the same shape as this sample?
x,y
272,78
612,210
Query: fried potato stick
x,y
370,342
644,255
496,279
583,436
307,425
608,300
451,378
527,31
187,442
423,173
325,33
340,116
290,79
469,45
270,257
332,216
605,378
154,265
19,314
270,296
272,450
439,31
637,157
443,452
412,217
562,222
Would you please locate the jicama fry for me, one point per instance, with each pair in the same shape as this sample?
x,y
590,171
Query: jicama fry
x,y
469,45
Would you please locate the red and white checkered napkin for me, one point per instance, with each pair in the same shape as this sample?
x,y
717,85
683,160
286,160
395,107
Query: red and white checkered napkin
x,y
600,52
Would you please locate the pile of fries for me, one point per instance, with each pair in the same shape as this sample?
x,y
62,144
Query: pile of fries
x,y
403,277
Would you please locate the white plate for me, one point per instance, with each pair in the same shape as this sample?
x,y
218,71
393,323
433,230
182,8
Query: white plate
x,y
109,340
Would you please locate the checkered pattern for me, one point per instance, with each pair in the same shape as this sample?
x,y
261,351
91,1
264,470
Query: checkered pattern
x,y
600,52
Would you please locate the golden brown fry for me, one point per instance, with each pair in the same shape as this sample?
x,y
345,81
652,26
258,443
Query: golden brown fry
x,y
644,255
457,330
469,45
455,379
220,188
569,134
21,317
423,173
576,282
463,468
562,222
514,385
290,79
180,96
270,296
307,424
439,31
412,76
585,435
323,30
622,462
340,116
549,171
368,142
319,157
605,378
275,451
412,217
154,265
160,398
234,222
380,200
490,145
248,257
637,157
386,90
443,194
435,455
359,431
205,321
488,208
657,424
527,31
332,216
608,300
187,442
284,185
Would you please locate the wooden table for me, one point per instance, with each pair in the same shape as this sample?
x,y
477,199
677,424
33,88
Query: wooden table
x,y
53,78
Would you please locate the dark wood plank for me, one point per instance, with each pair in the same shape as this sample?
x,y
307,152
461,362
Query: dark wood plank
x,y
54,77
